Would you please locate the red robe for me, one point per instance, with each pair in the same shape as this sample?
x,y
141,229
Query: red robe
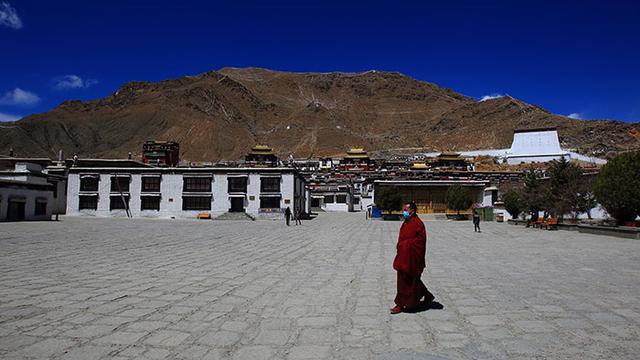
x,y
410,262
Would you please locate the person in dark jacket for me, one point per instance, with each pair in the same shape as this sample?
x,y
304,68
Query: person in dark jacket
x,y
298,217
287,215
476,221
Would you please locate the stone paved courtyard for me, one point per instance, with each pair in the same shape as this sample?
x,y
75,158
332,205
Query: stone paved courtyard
x,y
134,289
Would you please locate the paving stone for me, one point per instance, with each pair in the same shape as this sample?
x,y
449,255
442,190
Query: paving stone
x,y
309,352
237,326
317,336
254,352
142,289
146,325
120,337
484,320
166,338
403,341
272,337
316,321
46,348
89,331
534,326
219,338
90,352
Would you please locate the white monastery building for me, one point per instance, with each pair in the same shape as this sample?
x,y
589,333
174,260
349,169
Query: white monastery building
x,y
138,190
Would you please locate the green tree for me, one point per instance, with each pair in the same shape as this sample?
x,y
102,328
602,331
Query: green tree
x,y
586,198
565,186
388,199
535,194
617,187
458,198
513,203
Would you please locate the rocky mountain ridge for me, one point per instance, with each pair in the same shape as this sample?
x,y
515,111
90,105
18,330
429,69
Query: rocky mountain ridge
x,y
222,114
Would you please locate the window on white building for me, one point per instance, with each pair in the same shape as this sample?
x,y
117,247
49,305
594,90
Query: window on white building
x,y
237,185
150,184
120,183
197,184
196,202
89,183
117,202
150,203
270,184
88,202
41,207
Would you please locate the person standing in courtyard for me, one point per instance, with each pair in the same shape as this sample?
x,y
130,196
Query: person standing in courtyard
x,y
476,221
410,263
287,215
298,217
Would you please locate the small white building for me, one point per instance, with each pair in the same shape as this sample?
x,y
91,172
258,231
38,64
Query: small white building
x,y
26,193
534,146
331,197
178,192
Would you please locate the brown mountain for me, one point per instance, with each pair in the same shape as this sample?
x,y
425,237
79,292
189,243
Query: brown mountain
x,y
222,114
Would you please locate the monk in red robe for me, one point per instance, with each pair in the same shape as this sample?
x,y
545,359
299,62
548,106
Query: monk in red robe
x,y
410,262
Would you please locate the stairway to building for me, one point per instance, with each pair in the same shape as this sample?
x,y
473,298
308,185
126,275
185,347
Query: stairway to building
x,y
235,216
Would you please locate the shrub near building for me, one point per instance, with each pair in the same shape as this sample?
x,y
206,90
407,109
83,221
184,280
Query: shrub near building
x,y
513,203
617,187
458,198
389,200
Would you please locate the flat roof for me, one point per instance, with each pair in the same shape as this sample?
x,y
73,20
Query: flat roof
x,y
184,169
433,182
535,130
26,184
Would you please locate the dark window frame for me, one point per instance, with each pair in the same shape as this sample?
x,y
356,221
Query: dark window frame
x,y
86,183
39,210
124,181
150,203
196,184
270,184
150,184
117,201
341,197
191,203
237,184
85,204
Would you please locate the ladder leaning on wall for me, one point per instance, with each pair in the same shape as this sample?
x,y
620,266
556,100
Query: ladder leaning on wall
x,y
125,203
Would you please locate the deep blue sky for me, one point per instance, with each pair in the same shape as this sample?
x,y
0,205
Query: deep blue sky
x,y
579,57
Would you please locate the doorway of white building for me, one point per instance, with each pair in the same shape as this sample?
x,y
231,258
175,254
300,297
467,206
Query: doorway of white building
x,y
15,210
237,204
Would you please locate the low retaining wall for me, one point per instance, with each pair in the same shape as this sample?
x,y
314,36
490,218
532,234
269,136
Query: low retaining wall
x,y
619,231
570,227
517,222
626,232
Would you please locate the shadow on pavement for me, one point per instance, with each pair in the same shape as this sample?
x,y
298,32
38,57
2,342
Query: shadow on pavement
x,y
434,305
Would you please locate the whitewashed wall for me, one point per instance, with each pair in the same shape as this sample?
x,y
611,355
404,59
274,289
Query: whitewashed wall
x,y
171,197
30,196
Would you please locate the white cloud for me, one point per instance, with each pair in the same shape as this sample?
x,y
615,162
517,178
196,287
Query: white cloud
x,y
18,96
9,117
576,116
73,82
491,97
9,16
